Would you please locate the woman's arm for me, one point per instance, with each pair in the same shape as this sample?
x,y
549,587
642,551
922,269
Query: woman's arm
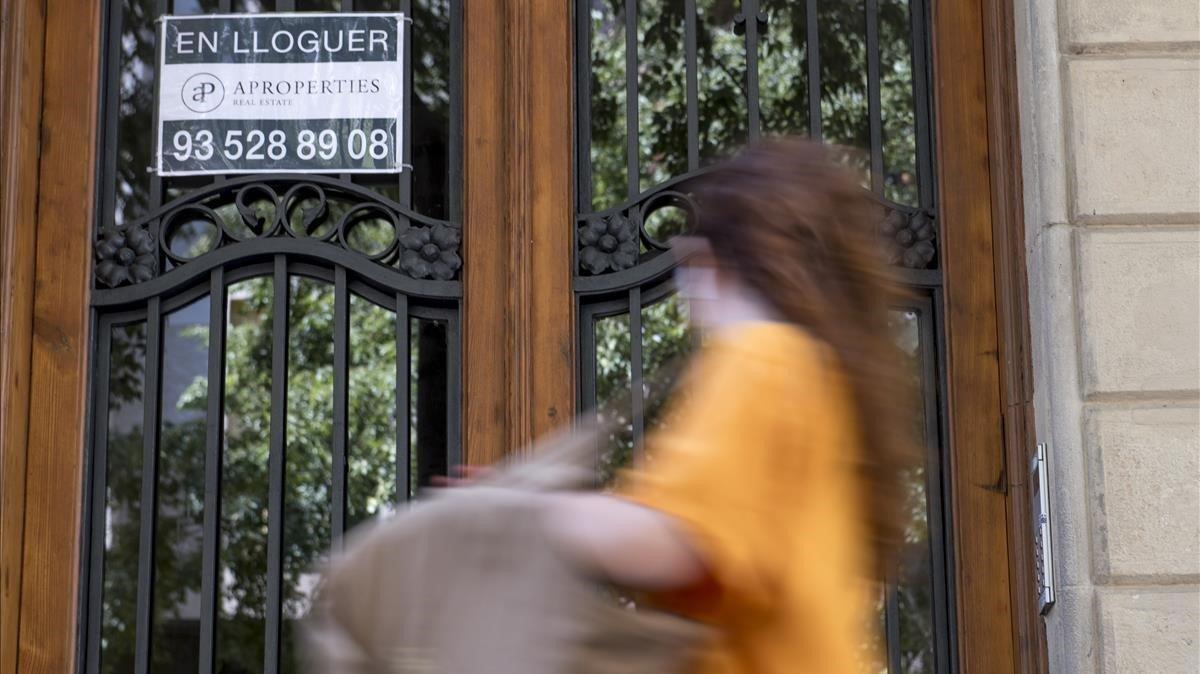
x,y
628,544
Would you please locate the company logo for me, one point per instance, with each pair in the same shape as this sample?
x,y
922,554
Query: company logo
x,y
203,92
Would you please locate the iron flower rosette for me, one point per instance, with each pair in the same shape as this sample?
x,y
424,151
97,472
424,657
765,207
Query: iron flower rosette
x,y
430,252
908,239
607,244
125,255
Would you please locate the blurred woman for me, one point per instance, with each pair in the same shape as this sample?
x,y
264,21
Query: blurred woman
x,y
773,497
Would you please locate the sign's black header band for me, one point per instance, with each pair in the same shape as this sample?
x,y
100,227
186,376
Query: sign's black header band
x,y
293,38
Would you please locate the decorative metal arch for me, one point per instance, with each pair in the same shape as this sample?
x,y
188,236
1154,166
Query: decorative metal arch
x,y
313,218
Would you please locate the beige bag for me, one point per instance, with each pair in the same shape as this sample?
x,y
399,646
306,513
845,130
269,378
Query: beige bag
x,y
466,583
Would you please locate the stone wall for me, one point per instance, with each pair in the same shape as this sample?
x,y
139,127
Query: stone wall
x,y
1110,96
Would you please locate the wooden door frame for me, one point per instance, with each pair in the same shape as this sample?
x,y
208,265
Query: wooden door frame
x,y
989,371
50,83
519,358
519,342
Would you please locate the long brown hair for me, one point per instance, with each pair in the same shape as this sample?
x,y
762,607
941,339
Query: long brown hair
x,y
799,229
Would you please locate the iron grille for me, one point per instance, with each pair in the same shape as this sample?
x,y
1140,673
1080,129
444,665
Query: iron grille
x,y
663,87
364,248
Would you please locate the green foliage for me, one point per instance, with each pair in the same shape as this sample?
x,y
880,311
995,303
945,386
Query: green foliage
x,y
722,96
666,337
723,111
243,550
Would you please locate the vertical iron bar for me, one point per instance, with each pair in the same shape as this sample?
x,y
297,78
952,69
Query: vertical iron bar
x,y
276,463
403,411
583,105
813,49
341,401
112,104
751,20
633,177
213,451
99,524
945,618
926,181
693,90
454,453
587,350
939,544
874,107
156,182
405,176
454,175
587,379
892,620
148,502
635,365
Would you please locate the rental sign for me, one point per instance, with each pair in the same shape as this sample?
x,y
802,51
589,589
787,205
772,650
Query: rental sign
x,y
280,93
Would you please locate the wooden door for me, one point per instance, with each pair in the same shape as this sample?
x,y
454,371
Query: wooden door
x,y
958,227
534,313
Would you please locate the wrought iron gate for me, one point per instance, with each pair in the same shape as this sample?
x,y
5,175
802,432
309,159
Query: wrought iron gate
x,y
664,87
276,358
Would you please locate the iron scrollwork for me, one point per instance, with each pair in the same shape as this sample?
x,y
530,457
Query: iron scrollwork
x,y
622,237
321,210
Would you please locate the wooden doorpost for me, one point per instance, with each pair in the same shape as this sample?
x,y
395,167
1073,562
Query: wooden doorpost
x,y
45,343
519,355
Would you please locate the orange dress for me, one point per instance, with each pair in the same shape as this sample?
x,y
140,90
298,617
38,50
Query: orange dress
x,y
756,462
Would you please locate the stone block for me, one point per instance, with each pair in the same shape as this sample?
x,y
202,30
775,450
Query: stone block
x,y
1134,140
1150,631
1145,491
1122,21
1139,305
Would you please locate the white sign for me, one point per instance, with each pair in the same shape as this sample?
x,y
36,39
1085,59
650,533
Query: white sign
x,y
281,93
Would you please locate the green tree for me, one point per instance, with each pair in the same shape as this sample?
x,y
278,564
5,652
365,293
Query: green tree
x,y
662,152
244,470
722,107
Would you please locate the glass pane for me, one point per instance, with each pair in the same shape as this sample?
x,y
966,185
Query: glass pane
x,y
429,342
371,454
318,5
783,68
434,177
243,554
135,111
179,528
613,382
122,511
377,5
608,98
667,339
432,172
897,106
195,7
662,91
914,577
843,49
721,78
308,474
